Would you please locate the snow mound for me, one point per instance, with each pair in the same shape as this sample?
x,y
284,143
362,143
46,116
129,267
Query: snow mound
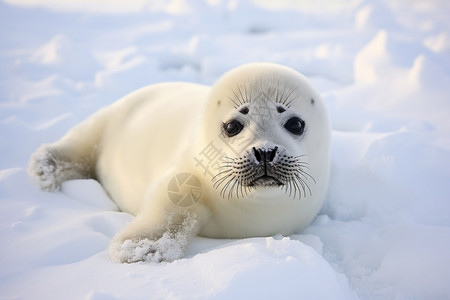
x,y
244,271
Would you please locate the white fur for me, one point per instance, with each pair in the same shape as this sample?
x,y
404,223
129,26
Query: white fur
x,y
138,144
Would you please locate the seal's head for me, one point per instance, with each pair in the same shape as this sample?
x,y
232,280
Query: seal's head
x,y
274,130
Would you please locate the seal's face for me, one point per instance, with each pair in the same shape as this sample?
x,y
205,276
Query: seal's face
x,y
268,123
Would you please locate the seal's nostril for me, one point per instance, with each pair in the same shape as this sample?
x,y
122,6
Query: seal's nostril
x,y
272,153
257,154
262,155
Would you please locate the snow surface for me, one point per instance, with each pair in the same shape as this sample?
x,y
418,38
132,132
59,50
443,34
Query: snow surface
x,y
383,68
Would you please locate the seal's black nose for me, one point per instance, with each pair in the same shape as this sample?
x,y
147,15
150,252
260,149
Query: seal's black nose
x,y
265,155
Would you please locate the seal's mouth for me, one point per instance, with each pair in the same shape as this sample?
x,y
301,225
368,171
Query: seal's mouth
x,y
265,181
263,169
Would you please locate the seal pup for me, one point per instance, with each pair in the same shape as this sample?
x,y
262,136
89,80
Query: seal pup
x,y
246,157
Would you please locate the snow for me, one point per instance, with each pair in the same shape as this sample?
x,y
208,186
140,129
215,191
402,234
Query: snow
x,y
383,68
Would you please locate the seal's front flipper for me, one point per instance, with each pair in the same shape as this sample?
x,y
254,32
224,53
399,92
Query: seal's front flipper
x,y
139,242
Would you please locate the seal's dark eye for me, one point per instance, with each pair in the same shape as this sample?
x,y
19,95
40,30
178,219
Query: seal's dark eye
x,y
295,125
232,127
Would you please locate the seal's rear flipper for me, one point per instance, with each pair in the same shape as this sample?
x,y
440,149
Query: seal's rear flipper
x,y
72,157
52,167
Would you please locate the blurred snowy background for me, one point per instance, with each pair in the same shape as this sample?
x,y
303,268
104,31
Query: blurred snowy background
x,y
383,69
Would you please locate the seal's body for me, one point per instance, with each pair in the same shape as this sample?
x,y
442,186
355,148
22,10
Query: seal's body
x,y
148,138
246,157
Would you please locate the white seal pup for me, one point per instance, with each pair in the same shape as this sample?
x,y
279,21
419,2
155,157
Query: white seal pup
x,y
246,157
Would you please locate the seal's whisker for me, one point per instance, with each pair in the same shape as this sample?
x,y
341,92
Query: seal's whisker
x,y
306,174
236,105
304,185
220,173
237,98
237,176
277,96
300,156
302,166
239,188
248,97
220,181
281,99
228,157
225,187
230,192
301,183
292,186
285,186
242,97
223,190
287,101
290,189
224,166
228,160
242,191
297,188
301,174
